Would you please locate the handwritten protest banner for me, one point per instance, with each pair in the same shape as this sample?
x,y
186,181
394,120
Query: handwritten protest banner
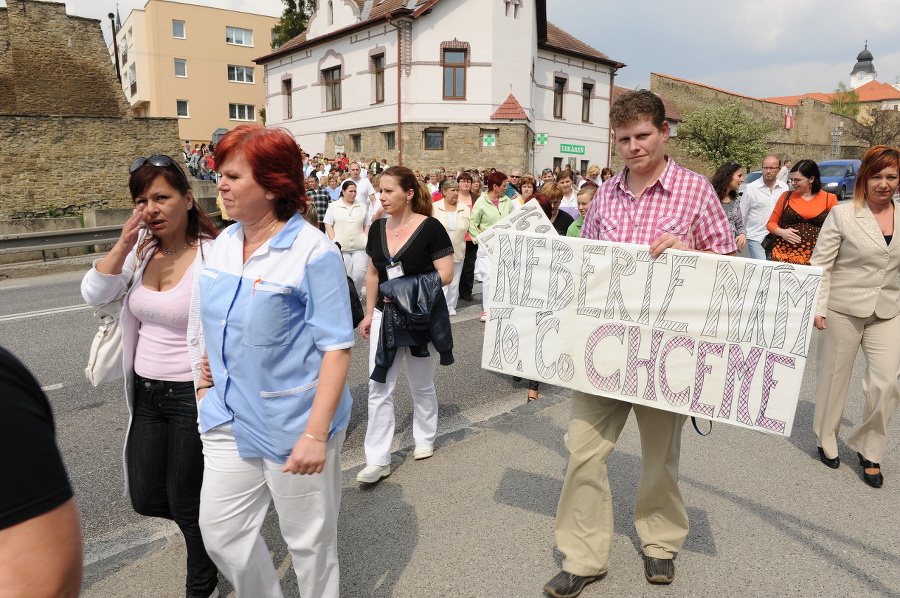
x,y
716,337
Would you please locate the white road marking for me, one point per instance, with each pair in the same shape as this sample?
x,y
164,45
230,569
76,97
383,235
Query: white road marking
x,y
50,387
43,312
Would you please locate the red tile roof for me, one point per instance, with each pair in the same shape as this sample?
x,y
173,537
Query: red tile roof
x,y
557,38
672,111
510,109
873,91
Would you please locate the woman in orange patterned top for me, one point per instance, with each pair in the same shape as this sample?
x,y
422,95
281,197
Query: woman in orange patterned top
x,y
798,216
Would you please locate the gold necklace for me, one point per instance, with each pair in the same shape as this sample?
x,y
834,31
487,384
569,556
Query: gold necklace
x,y
399,230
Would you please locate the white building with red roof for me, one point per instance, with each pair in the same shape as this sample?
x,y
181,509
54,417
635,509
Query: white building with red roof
x,y
431,83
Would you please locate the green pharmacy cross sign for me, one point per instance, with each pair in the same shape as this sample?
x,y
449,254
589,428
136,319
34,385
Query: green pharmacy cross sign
x,y
489,140
542,139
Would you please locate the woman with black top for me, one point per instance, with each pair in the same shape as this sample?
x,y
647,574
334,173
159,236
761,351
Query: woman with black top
x,y
407,242
561,220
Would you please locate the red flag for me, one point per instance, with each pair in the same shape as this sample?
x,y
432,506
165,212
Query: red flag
x,y
788,118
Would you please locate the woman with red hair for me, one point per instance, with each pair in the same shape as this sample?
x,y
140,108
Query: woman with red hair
x,y
276,314
859,306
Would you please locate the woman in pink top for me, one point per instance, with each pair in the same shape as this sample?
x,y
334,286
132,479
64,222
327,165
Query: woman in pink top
x,y
155,265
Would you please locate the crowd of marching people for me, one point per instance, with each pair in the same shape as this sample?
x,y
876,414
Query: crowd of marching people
x,y
248,330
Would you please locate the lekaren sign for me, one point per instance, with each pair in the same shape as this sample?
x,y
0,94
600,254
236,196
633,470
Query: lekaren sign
x,y
715,337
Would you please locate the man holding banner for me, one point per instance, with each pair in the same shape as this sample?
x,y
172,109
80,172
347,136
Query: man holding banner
x,y
654,202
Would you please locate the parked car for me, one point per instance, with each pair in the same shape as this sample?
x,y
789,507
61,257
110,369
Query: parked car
x,y
839,176
749,178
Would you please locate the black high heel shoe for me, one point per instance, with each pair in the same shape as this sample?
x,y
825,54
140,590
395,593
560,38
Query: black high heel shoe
x,y
832,463
875,480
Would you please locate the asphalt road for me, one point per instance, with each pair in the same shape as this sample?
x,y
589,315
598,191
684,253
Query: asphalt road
x,y
767,519
44,322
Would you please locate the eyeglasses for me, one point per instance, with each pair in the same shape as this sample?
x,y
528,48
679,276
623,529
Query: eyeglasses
x,y
162,161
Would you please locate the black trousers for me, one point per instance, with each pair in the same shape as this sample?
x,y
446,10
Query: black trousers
x,y
467,278
165,469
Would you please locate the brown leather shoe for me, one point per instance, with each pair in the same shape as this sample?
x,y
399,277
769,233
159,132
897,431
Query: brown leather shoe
x,y
569,585
659,571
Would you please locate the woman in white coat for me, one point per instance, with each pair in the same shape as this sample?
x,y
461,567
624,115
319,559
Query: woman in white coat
x,y
859,305
156,265
455,218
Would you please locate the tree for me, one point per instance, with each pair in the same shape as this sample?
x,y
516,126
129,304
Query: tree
x,y
845,101
725,132
292,22
880,127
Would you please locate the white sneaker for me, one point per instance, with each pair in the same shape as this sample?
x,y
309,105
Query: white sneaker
x,y
423,452
372,473
483,317
452,312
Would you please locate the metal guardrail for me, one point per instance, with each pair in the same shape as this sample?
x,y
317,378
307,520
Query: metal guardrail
x,y
59,239
63,239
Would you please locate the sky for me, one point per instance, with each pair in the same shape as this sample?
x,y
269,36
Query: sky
x,y
759,48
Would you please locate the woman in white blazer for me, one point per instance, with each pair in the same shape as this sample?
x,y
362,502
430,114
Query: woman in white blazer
x,y
160,253
858,305
455,218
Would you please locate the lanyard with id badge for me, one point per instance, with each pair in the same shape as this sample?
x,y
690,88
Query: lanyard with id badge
x,y
394,269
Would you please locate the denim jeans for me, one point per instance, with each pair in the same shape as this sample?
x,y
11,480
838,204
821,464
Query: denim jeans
x,y
756,250
164,458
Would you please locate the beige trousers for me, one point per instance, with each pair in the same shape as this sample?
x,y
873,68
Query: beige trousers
x,y
584,518
838,345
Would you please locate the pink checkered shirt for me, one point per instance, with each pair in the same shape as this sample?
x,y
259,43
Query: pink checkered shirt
x,y
681,202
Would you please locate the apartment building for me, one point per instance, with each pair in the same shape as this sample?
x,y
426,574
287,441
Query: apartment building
x,y
194,63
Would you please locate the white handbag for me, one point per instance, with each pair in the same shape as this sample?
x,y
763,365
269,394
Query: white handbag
x,y
105,357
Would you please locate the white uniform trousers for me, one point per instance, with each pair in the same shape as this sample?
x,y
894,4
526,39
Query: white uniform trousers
x,y
483,269
356,263
420,372
233,504
451,291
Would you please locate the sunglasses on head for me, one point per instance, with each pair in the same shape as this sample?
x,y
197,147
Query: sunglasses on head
x,y
159,160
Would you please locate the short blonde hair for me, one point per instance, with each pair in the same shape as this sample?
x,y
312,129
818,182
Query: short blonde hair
x,y
553,191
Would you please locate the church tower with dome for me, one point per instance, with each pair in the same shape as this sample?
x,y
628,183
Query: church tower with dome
x,y
864,70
